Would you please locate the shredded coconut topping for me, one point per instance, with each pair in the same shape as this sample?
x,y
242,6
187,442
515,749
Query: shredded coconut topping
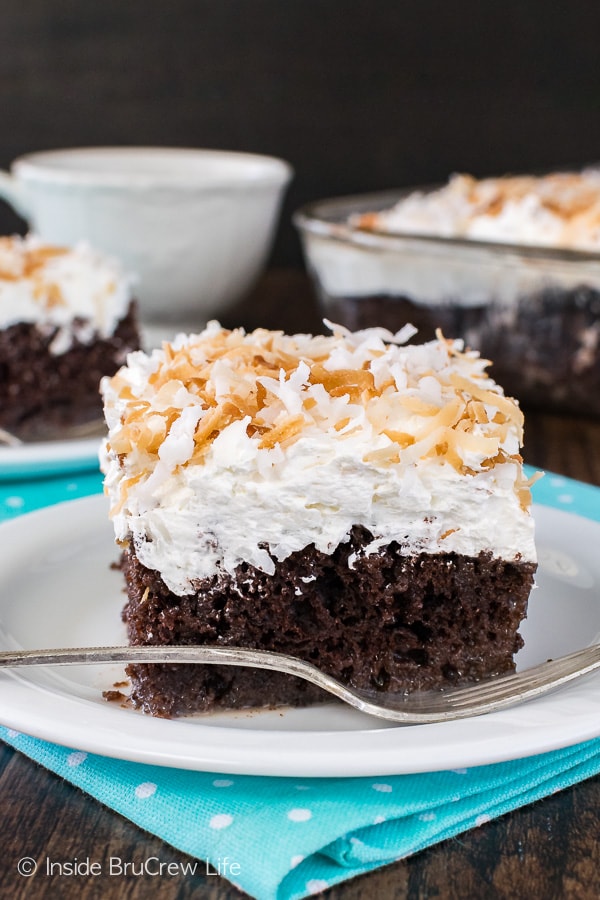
x,y
77,291
411,402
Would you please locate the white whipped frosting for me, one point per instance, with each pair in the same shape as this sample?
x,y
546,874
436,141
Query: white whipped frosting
x,y
372,461
53,286
560,210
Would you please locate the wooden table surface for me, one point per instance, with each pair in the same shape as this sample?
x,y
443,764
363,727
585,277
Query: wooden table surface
x,y
550,849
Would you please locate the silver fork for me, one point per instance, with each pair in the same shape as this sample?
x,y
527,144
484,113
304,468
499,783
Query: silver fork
x,y
409,709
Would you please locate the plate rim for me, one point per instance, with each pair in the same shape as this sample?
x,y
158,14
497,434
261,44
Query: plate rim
x,y
49,457
376,750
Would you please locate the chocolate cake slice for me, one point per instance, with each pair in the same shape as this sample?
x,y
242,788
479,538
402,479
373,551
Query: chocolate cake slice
x,y
350,499
67,318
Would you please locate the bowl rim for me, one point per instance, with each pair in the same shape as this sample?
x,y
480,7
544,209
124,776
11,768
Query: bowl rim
x,y
328,218
247,169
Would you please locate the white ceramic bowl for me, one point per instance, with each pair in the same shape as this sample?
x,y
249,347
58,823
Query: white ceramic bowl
x,y
195,226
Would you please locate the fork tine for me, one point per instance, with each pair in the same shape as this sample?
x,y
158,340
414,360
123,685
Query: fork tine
x,y
487,696
555,672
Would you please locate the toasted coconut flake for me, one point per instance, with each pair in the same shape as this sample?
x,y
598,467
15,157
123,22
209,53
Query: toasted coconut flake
x,y
418,406
341,381
214,421
505,405
342,423
383,456
282,432
400,437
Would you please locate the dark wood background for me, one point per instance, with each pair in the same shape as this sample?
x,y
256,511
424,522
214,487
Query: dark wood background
x,y
356,94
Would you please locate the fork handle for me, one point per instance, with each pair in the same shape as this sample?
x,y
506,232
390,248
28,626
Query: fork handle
x,y
192,653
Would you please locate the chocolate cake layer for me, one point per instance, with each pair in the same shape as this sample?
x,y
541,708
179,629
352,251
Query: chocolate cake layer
x,y
384,621
40,390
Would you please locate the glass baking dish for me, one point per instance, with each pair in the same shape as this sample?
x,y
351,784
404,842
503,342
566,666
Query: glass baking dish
x,y
535,312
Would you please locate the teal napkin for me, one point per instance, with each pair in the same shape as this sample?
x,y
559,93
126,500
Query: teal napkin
x,y
288,838
18,497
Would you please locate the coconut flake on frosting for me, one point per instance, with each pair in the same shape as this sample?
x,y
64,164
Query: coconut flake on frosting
x,y
75,292
228,447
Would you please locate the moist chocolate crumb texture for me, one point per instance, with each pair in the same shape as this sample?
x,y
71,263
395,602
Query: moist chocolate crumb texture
x,y
66,319
536,317
351,499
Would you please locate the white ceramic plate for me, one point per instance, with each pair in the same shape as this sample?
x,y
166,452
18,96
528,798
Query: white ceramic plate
x,y
57,589
48,458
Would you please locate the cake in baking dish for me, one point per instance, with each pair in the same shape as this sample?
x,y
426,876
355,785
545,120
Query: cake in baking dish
x,y
519,278
67,318
349,499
